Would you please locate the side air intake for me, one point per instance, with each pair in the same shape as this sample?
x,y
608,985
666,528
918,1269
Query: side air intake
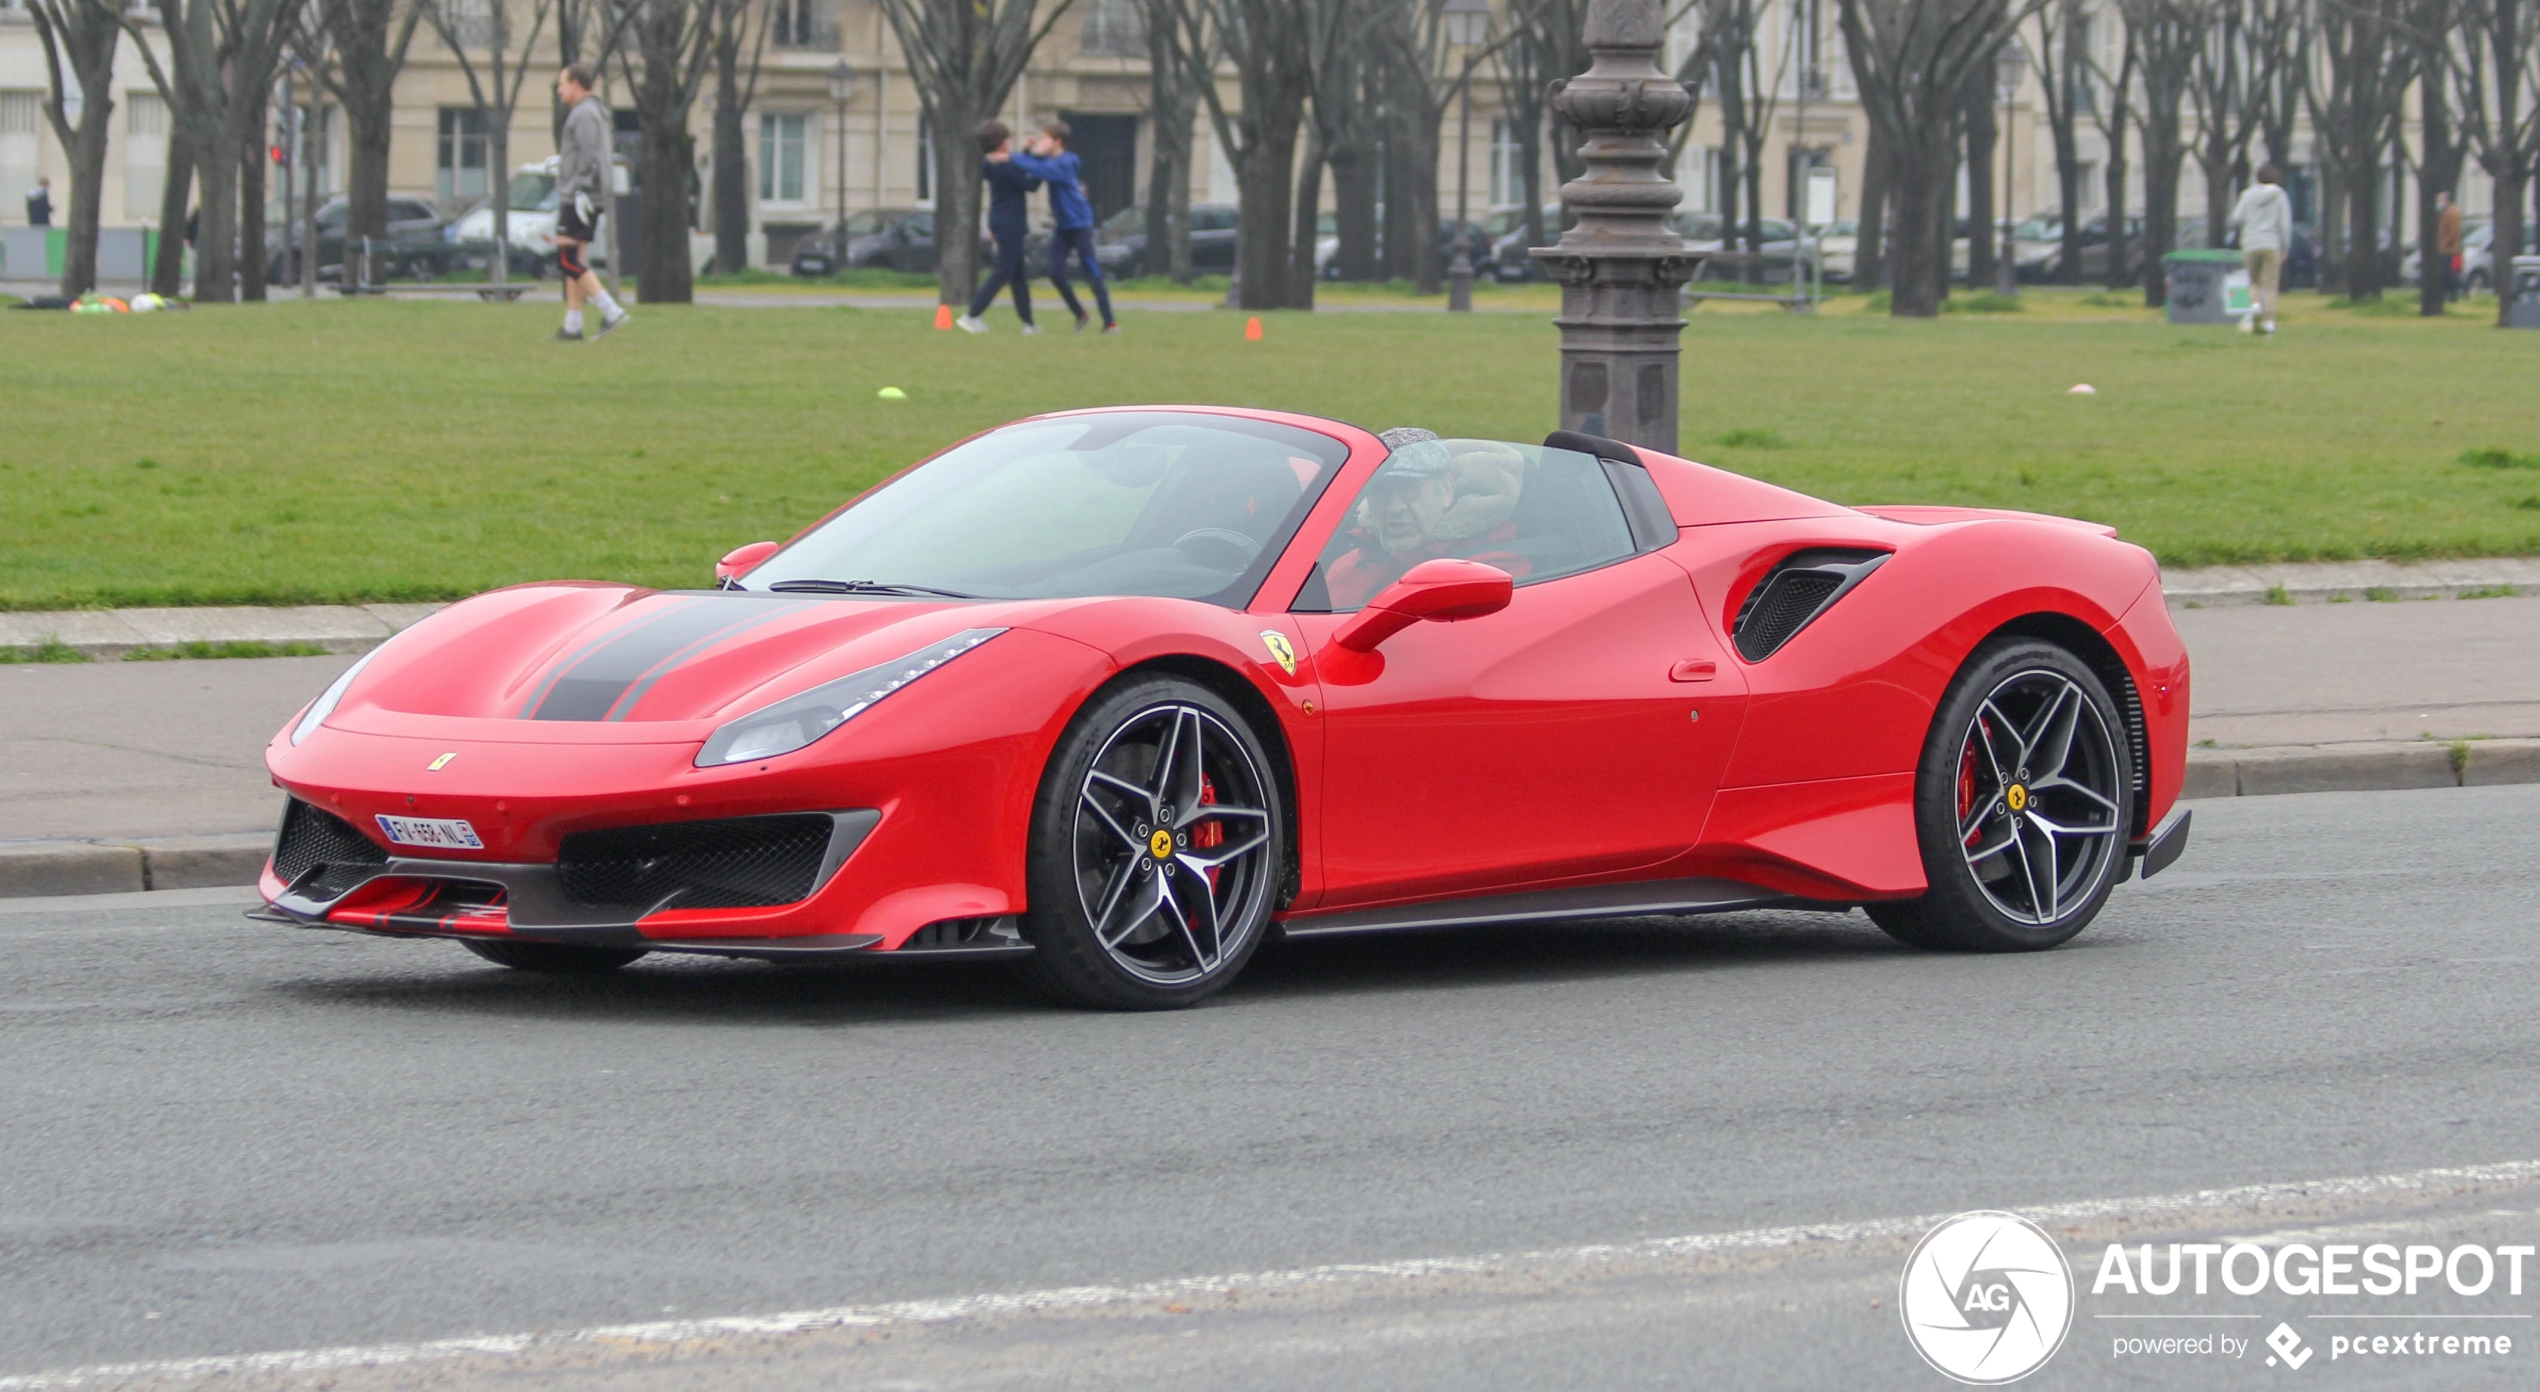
x,y
1802,586
316,840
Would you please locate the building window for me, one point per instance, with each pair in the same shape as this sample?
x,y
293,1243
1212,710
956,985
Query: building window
x,y
1507,165
459,167
1114,29
925,159
782,138
802,24
145,155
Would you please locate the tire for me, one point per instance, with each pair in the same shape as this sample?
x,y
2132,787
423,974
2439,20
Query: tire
x,y
551,959
2018,858
1115,925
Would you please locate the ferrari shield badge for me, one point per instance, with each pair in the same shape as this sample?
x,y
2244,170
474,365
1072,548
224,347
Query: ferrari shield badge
x,y
1280,651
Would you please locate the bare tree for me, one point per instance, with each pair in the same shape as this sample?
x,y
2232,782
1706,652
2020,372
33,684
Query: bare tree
x,y
2054,45
740,29
1343,121
220,60
1910,61
1174,78
664,66
965,56
2168,35
371,39
470,28
1976,119
2114,115
2442,143
1269,42
79,56
2355,113
1547,46
2493,93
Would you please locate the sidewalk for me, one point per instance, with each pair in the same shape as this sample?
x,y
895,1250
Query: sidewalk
x,y
119,776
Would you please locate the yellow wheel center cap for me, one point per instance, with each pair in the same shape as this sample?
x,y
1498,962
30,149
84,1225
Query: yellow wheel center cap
x,y
1160,845
2017,797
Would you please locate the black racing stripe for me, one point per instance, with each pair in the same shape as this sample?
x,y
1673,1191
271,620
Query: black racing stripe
x,y
598,677
625,704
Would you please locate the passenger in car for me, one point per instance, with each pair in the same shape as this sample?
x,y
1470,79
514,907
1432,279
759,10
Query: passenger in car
x,y
1430,499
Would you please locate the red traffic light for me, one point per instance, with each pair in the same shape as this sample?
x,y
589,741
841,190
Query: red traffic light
x,y
278,156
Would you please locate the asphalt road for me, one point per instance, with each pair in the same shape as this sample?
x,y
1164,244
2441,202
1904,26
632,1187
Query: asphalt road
x,y
224,1137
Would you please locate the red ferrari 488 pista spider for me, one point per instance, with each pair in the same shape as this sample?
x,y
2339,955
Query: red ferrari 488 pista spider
x,y
1119,693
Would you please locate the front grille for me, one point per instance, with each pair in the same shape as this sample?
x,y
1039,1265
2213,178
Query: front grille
x,y
737,863
315,839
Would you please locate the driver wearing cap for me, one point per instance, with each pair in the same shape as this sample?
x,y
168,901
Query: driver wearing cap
x,y
1430,500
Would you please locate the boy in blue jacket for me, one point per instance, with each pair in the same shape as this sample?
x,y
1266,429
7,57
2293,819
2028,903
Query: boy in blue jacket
x,y
1047,160
1007,223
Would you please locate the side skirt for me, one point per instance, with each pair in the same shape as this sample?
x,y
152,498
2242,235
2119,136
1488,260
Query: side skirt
x,y
1548,905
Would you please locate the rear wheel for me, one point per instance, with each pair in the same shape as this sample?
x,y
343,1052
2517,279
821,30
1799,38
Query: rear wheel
x,y
1156,849
2022,805
550,959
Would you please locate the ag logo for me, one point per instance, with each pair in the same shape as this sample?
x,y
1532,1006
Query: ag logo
x,y
1986,1298
1280,651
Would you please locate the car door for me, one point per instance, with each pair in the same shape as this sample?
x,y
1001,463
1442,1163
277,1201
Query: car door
x,y
1579,732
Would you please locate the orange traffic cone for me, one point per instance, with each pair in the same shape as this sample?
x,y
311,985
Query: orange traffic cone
x,y
1252,329
943,316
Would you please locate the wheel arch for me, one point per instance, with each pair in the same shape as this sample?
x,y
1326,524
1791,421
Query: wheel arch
x,y
1257,711
2088,644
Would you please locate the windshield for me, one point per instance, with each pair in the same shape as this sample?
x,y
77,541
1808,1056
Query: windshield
x,y
533,192
868,222
1168,504
2038,230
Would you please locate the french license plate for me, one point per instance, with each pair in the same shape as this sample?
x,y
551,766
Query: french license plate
x,y
434,833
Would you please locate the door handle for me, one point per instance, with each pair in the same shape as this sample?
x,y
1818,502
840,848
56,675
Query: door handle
x,y
1696,669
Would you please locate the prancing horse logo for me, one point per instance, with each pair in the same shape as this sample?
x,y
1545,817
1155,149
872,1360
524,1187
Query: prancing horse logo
x,y
1280,651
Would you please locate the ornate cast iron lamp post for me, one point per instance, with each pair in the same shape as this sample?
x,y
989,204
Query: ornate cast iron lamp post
x,y
1619,264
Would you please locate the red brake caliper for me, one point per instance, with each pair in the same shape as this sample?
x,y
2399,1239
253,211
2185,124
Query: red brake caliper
x,y
1967,782
1209,834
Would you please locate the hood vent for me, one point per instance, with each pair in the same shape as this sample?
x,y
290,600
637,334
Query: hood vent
x,y
1801,586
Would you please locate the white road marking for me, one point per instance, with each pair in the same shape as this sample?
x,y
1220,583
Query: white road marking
x,y
1063,1299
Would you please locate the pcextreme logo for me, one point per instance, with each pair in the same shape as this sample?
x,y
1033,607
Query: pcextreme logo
x,y
1986,1298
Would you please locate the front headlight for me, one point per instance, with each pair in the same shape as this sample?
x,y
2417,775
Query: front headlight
x,y
324,705
796,721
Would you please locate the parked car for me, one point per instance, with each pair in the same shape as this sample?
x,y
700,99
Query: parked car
x,y
1706,232
417,247
1510,258
1120,244
1838,243
533,199
898,239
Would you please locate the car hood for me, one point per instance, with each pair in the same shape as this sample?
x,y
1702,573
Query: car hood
x,y
566,661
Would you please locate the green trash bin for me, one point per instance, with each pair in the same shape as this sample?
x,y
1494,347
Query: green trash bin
x,y
2207,287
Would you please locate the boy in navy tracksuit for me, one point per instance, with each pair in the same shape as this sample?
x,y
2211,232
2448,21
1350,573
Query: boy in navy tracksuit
x,y
1047,160
1007,213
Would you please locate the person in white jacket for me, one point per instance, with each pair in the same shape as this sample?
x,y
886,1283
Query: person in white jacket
x,y
2264,216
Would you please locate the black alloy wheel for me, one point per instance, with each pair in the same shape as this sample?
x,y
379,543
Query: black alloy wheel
x,y
550,959
2022,805
1157,845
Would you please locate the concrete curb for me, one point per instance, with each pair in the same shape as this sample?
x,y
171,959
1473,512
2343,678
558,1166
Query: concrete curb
x,y
349,628
30,868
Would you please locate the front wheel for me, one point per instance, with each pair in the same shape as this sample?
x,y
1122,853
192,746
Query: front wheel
x,y
2022,805
550,959
1157,845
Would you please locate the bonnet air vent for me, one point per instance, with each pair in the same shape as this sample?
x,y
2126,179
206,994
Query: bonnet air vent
x,y
1802,586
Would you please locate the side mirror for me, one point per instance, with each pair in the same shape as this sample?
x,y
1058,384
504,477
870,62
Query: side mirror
x,y
1444,590
745,559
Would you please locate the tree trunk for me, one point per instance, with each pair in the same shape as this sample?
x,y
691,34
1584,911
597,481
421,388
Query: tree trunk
x,y
1178,238
216,223
1869,246
1982,136
662,271
2363,238
1262,239
167,270
1428,266
2507,241
2215,159
252,166
367,122
1399,257
2120,246
1308,215
1354,210
88,185
2068,200
2438,172
731,171
956,199
498,153
1919,261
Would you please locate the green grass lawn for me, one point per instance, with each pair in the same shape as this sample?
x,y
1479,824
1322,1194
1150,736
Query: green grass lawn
x,y
414,450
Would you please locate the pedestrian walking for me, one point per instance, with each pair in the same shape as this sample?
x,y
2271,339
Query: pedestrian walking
x,y
2264,216
1047,159
1009,223
2447,244
582,161
39,204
